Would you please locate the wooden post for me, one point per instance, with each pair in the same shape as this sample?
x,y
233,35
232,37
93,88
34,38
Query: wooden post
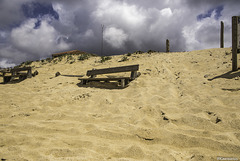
x,y
133,75
167,46
102,40
222,35
29,73
234,43
122,83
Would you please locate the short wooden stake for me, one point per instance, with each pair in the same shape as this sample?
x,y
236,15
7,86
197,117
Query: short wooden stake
x,y
167,46
222,35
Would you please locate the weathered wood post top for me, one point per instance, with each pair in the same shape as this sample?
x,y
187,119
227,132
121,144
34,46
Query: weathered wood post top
x,y
167,46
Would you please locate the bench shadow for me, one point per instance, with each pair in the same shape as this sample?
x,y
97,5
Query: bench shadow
x,y
228,75
12,82
102,85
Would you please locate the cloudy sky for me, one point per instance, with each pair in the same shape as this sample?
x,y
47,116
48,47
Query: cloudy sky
x,y
35,29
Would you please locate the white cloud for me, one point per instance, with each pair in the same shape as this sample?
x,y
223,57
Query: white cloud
x,y
89,33
119,13
115,37
166,12
5,64
10,12
40,41
205,34
66,15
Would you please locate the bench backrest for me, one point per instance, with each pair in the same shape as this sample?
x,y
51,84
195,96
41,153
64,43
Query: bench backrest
x,y
130,68
21,69
27,69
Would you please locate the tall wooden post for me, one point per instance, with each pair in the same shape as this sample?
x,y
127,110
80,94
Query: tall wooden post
x,y
222,35
167,46
102,40
234,43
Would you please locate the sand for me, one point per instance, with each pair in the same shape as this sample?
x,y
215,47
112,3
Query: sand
x,y
184,106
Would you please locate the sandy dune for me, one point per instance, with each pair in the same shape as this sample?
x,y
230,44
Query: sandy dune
x,y
184,106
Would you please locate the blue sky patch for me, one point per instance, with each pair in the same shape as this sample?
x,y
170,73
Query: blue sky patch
x,y
218,11
37,24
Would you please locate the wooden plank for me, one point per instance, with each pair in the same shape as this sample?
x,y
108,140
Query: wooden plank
x,y
72,75
104,79
21,69
15,74
113,70
4,72
234,43
19,75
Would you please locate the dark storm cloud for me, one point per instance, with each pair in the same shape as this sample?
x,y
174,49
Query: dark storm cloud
x,y
10,14
33,29
36,10
210,3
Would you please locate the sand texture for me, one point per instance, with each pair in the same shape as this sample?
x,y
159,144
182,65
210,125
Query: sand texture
x,y
184,106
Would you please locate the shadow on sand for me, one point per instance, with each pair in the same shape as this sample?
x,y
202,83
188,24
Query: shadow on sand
x,y
102,85
228,75
13,81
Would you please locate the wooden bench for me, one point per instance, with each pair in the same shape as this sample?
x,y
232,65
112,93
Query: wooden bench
x,y
20,73
122,80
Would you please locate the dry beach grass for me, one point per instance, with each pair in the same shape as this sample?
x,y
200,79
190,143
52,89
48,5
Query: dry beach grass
x,y
184,106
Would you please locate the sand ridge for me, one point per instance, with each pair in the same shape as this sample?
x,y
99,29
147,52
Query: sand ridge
x,y
184,106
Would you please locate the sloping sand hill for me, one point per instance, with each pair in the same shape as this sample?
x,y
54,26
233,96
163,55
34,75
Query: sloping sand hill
x,y
184,106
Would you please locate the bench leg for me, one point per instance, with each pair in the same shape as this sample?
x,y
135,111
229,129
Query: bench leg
x,y
29,73
83,82
22,77
133,75
126,81
7,79
122,83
